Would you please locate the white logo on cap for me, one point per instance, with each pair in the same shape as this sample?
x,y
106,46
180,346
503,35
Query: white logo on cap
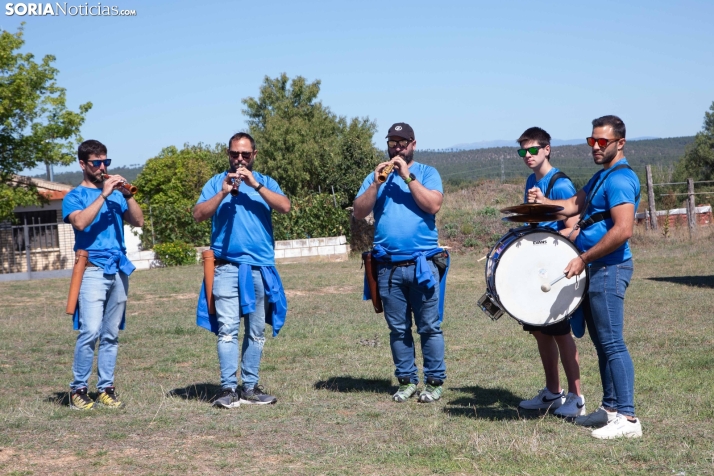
x,y
398,128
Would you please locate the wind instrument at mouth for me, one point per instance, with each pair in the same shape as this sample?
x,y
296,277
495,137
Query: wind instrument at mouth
x,y
123,184
382,177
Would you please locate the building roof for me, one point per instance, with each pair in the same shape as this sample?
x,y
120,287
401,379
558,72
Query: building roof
x,y
52,190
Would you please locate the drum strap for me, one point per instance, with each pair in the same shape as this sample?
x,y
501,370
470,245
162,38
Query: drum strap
x,y
598,217
552,181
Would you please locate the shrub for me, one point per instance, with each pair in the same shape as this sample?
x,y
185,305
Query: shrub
x,y
175,253
312,216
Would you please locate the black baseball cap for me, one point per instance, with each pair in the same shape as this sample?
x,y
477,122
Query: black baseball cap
x,y
401,129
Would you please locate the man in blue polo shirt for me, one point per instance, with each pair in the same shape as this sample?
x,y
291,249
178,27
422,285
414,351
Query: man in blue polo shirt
x,y
607,206
554,340
96,210
406,248
240,202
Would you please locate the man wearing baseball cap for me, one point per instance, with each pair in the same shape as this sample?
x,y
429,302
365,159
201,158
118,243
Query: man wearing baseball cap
x,y
405,197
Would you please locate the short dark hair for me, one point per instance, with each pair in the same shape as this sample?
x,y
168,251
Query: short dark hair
x,y
90,147
535,134
618,127
242,135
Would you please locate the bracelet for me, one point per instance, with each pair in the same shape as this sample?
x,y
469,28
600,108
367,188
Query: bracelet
x,y
583,259
102,195
260,185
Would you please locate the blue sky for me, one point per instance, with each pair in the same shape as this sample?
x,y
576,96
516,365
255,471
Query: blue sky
x,y
458,72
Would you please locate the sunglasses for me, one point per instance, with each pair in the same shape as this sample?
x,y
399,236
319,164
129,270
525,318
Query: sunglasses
x,y
235,154
603,143
402,143
530,150
98,163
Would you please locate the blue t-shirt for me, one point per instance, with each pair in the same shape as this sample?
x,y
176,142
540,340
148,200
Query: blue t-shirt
x,y
400,226
621,186
562,190
242,229
106,232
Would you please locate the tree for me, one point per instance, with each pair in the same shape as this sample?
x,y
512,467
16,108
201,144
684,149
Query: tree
x,y
698,160
35,124
169,186
305,146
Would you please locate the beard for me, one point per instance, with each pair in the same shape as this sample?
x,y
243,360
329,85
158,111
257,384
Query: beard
x,y
95,179
607,156
234,166
407,158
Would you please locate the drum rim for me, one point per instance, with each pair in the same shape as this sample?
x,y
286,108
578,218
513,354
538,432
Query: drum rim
x,y
528,230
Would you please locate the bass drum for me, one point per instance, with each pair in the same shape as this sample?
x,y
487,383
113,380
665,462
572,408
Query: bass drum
x,y
522,261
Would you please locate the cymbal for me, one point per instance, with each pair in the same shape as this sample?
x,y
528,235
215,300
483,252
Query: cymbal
x,y
532,209
534,218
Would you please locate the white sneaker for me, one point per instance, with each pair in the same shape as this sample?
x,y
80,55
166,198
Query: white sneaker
x,y
598,418
574,406
618,428
544,400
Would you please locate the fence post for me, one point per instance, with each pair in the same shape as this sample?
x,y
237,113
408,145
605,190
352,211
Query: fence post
x,y
26,236
691,209
651,199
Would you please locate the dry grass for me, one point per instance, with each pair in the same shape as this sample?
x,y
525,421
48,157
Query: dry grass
x,y
331,370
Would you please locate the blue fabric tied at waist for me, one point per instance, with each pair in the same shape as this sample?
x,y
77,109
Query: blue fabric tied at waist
x,y
423,272
274,293
113,261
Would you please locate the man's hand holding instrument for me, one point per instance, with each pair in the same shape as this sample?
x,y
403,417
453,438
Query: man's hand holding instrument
x,y
117,182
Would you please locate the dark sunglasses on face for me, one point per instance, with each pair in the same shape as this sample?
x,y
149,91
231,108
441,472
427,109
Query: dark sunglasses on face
x,y
402,143
98,163
601,142
235,154
530,150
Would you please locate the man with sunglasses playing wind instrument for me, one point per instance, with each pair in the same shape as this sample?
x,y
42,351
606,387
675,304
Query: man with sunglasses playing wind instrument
x,y
96,210
606,207
411,267
553,340
246,283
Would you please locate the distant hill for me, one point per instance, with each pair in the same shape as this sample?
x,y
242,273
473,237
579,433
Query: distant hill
x,y
75,178
574,160
487,144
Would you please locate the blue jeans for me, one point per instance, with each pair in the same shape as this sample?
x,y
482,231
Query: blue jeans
x,y
225,292
402,295
102,300
605,324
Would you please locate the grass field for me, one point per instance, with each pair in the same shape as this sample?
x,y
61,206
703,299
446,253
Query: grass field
x,y
331,370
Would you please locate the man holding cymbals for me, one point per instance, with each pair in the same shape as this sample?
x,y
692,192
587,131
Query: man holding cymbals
x,y
411,266
606,206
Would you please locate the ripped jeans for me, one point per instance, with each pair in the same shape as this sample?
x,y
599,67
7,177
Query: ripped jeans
x,y
225,292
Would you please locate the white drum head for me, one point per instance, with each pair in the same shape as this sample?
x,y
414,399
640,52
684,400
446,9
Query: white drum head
x,y
529,262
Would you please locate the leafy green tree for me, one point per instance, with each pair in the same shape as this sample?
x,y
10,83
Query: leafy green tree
x,y
35,124
169,186
698,160
305,146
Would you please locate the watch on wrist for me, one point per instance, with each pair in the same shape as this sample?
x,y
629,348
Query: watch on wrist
x,y
410,178
260,185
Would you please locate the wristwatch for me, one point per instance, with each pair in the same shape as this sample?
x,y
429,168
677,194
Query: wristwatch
x,y
409,179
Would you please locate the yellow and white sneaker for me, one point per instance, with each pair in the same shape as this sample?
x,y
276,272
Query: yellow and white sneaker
x,y
108,398
79,400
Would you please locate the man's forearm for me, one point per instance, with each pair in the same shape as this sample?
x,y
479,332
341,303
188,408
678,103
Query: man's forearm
x,y
364,204
133,215
207,209
279,203
428,200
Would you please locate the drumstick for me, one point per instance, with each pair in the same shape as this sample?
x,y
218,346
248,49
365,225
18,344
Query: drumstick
x,y
546,287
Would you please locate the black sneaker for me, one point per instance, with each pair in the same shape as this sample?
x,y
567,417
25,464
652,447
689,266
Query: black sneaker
x,y
228,398
256,396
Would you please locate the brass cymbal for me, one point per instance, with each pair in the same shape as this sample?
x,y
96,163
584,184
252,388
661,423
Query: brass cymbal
x,y
534,218
532,209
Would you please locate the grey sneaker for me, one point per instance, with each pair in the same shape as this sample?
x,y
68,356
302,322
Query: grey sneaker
x,y
405,392
228,398
256,396
432,392
545,400
598,418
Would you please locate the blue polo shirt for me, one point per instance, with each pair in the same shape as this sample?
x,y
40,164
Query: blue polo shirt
x,y
621,186
562,190
242,229
106,232
400,226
